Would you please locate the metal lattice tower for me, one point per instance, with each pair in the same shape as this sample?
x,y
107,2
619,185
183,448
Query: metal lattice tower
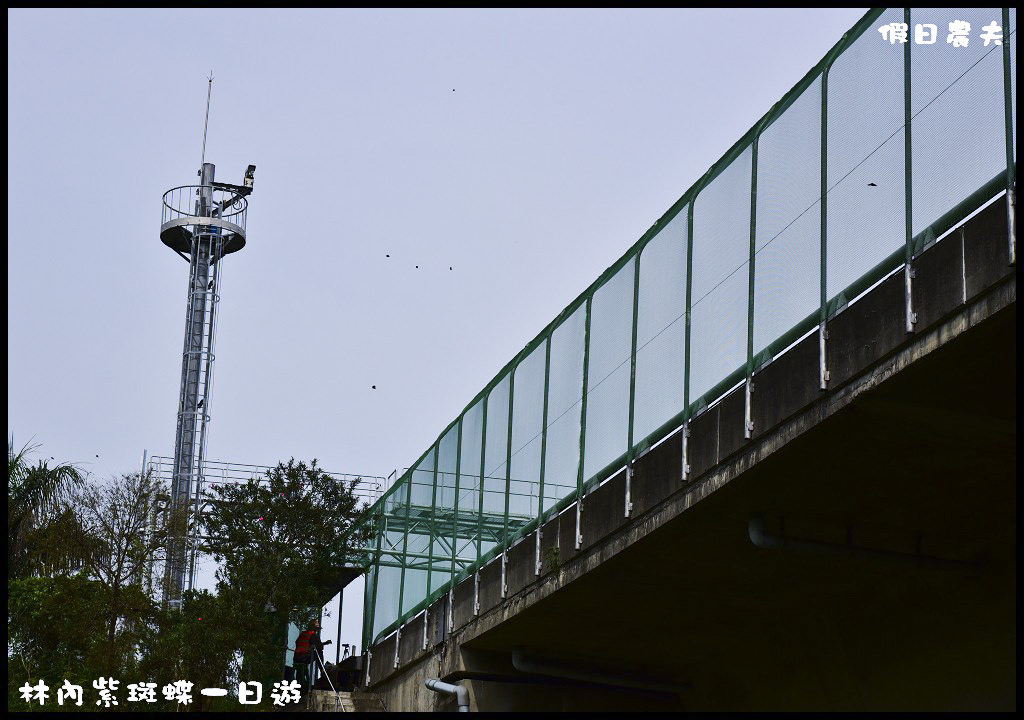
x,y
201,223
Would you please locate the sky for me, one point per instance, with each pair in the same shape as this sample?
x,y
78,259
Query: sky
x,y
502,158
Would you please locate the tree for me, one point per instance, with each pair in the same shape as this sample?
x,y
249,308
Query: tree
x,y
282,539
80,606
198,643
55,632
41,539
119,520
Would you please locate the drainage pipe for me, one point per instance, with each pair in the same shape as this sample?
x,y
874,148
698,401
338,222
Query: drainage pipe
x,y
762,539
461,694
553,669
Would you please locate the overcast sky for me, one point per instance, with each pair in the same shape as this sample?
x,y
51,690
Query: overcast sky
x,y
511,154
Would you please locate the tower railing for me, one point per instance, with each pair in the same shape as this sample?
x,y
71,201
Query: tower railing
x,y
368,489
180,205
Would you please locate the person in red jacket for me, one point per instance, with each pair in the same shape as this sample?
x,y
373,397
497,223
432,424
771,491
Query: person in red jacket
x,y
307,642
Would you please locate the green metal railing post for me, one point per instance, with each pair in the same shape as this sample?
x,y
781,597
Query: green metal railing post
x,y
483,471
689,306
370,612
748,422
583,425
543,432
686,342
632,383
455,502
632,356
908,270
405,544
1011,179
543,450
823,374
508,451
432,530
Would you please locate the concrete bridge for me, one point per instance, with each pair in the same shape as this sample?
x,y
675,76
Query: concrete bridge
x,y
857,553
766,461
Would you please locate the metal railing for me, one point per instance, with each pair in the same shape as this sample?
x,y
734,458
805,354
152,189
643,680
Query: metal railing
x,y
182,204
874,154
368,490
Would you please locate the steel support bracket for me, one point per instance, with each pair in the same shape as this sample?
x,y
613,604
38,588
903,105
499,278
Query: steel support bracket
x,y
579,523
823,372
476,593
536,557
451,611
398,643
629,485
685,474
908,285
504,574
426,618
748,422
1011,223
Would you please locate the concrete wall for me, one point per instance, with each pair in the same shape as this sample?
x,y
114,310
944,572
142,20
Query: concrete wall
x,y
910,450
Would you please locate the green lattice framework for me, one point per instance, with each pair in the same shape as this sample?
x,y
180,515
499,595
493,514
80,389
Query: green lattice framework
x,y
825,196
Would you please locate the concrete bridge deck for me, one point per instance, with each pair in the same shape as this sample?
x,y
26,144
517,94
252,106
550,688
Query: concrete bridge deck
x,y
886,576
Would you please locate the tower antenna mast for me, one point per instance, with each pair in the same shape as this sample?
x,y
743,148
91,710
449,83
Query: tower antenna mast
x,y
206,122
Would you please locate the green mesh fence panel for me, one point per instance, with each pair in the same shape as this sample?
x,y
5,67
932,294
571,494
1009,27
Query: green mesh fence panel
x,y
444,510
956,101
565,394
370,582
496,454
414,587
661,328
1013,79
385,611
418,530
422,481
527,428
467,509
611,337
719,296
787,260
497,467
865,175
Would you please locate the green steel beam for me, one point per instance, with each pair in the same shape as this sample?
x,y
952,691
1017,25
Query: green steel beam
x,y
372,605
508,455
483,473
583,418
907,156
823,313
455,500
750,285
632,356
405,547
1011,177
433,505
544,429
689,298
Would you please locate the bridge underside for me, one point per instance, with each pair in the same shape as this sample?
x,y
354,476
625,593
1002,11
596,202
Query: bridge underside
x,y
895,587
923,463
